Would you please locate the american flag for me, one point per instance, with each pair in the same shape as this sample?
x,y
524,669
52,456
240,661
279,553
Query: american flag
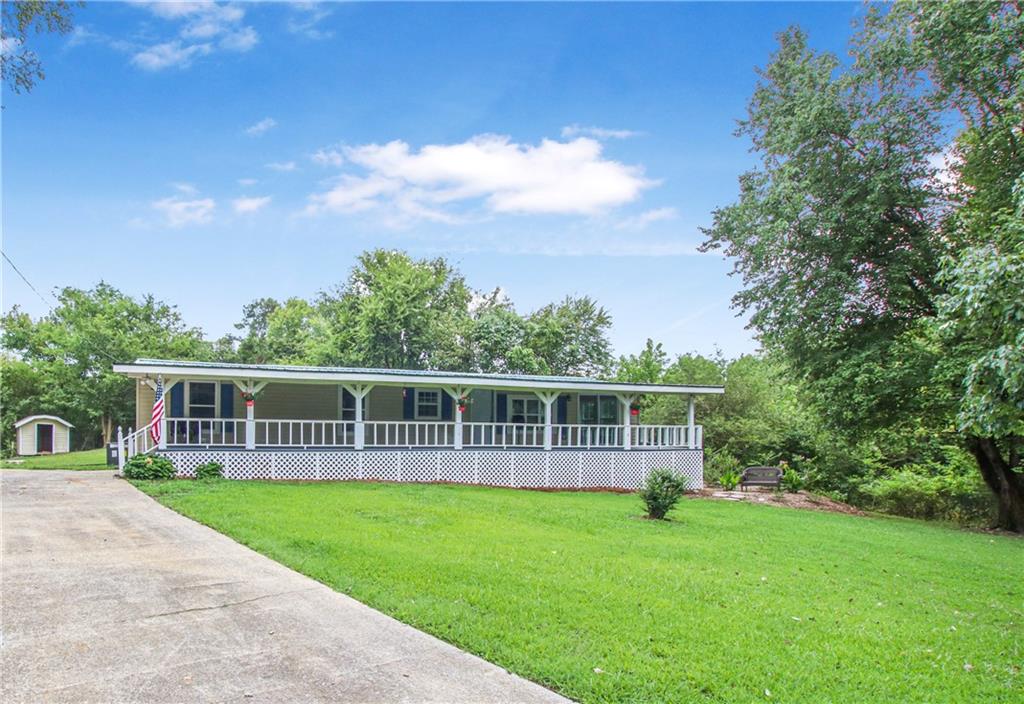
x,y
158,411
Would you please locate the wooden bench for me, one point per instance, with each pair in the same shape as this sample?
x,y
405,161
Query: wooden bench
x,y
761,476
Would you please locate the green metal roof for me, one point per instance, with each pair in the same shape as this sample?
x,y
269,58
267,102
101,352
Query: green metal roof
x,y
411,373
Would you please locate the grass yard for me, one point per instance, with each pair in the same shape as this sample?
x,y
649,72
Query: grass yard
x,y
729,602
87,459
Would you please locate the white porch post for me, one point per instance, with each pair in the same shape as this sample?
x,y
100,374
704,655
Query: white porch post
x,y
457,393
120,450
162,444
249,387
548,399
691,432
627,436
359,392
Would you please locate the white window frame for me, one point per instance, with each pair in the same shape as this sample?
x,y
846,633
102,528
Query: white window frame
x,y
526,402
416,404
188,399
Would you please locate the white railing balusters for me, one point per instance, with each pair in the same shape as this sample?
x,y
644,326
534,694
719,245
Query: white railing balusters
x,y
277,432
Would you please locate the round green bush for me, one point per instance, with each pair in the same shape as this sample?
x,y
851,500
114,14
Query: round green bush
x,y
210,470
149,467
661,492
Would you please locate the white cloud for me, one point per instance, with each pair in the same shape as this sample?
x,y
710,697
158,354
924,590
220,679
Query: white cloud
x,y
305,20
327,157
186,188
241,41
178,211
203,28
282,166
488,172
639,222
247,182
576,130
260,127
250,205
168,54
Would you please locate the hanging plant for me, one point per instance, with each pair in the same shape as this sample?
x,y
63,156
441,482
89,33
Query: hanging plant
x,y
463,403
249,398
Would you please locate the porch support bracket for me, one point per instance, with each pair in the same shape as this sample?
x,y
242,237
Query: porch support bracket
x,y
548,398
627,401
250,387
457,393
359,392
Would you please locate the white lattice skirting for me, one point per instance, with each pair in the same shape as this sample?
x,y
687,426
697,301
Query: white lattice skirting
x,y
535,469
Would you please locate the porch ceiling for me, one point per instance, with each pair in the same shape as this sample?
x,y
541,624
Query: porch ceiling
x,y
150,368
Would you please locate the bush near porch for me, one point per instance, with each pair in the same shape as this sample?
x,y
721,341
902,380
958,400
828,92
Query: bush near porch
x,y
726,602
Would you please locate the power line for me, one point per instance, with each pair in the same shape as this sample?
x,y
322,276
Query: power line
x,y
34,289
29,283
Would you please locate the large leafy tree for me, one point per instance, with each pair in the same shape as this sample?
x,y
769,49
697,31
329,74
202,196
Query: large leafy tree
x,y
397,312
71,350
571,337
843,233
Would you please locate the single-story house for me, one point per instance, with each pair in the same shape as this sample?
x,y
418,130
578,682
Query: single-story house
x,y
43,435
306,423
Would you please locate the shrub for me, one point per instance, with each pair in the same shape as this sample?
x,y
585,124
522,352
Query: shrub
x,y
210,470
729,480
661,492
952,497
791,480
716,464
149,467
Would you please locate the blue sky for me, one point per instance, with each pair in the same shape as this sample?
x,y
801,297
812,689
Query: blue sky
x,y
214,154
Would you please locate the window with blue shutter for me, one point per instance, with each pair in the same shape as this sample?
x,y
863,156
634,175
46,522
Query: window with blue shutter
x,y
409,403
501,408
446,406
227,400
562,410
178,400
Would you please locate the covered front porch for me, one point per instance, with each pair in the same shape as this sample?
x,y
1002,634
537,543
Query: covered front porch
x,y
245,410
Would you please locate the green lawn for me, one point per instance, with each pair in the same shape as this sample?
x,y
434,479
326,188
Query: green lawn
x,y
87,459
728,602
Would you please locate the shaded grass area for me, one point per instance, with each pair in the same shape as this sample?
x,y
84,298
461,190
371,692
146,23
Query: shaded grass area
x,y
86,459
729,602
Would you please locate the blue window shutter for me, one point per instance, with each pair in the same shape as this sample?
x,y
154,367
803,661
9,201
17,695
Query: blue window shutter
x,y
563,409
446,406
409,403
501,408
178,400
227,400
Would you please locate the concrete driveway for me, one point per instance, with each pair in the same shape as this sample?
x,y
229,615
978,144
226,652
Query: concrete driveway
x,y
108,596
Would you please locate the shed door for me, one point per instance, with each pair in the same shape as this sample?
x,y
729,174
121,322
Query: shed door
x,y
44,438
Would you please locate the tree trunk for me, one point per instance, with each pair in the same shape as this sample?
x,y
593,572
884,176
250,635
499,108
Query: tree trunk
x,y
1005,483
107,424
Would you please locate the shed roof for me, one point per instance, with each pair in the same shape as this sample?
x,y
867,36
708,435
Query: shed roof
x,y
148,368
29,419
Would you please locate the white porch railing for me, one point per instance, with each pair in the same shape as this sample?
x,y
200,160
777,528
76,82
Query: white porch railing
x,y
135,442
407,433
297,433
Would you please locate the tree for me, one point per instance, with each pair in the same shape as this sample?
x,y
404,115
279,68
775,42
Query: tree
x,y
571,337
501,343
253,347
842,233
19,65
398,313
71,351
296,333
